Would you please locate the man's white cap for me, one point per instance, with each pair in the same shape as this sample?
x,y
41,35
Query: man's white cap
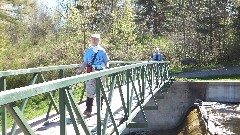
x,y
157,49
96,36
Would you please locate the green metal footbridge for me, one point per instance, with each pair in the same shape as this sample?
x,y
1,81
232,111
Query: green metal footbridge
x,y
130,85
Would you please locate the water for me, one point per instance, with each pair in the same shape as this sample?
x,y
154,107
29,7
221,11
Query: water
x,y
224,117
233,125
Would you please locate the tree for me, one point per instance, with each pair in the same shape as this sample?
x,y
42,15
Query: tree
x,y
122,39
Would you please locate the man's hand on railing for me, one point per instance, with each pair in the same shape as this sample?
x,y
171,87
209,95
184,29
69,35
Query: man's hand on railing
x,y
78,70
81,68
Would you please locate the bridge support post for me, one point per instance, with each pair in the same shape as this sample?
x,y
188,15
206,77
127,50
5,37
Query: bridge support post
x,y
3,86
62,107
17,115
98,100
133,76
128,92
71,109
161,74
108,103
142,93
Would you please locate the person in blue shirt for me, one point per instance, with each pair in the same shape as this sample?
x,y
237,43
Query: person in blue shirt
x,y
94,59
157,56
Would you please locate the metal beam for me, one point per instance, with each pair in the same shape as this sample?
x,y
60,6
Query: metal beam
x,y
17,115
3,86
62,107
24,103
70,108
36,70
79,114
52,68
108,103
99,88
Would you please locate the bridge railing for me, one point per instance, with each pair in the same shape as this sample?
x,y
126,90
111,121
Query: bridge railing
x,y
38,75
141,72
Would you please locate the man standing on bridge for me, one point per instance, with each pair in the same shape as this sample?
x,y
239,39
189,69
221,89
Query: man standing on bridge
x,y
94,59
157,56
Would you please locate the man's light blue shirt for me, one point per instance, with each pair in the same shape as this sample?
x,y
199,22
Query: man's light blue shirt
x,y
160,57
101,58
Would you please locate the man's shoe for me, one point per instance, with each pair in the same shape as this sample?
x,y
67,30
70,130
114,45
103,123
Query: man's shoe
x,y
88,114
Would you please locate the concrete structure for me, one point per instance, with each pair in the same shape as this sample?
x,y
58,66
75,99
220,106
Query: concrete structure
x,y
223,92
180,97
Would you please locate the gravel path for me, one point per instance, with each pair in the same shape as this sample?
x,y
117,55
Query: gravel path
x,y
210,72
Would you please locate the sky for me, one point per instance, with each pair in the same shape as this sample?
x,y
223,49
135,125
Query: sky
x,y
52,4
48,3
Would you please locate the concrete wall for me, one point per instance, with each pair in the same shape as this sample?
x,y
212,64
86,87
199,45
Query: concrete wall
x,y
223,92
180,97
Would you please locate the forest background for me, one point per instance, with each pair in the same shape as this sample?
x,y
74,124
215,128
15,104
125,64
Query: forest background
x,y
32,35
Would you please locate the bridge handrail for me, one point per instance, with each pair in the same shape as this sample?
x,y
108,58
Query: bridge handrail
x,y
36,89
36,70
51,68
122,62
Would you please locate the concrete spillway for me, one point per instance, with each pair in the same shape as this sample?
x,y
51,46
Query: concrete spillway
x,y
193,124
206,118
181,96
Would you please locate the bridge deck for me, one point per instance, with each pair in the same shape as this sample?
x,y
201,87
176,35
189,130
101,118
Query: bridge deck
x,y
52,126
